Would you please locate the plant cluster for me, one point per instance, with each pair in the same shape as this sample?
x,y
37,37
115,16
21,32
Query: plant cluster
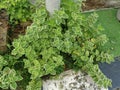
x,y
8,75
18,10
53,42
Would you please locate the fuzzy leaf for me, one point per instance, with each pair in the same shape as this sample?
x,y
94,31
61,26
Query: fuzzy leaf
x,y
13,86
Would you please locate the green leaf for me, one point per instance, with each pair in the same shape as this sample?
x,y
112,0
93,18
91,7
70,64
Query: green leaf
x,y
13,86
87,53
27,63
18,77
3,62
35,84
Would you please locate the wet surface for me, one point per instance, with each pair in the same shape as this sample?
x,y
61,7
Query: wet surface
x,y
112,71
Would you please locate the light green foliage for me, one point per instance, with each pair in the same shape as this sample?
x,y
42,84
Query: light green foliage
x,y
18,10
35,84
37,3
2,62
42,58
8,76
68,39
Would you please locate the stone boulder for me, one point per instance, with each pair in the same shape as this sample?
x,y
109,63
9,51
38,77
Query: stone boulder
x,y
71,80
52,5
112,3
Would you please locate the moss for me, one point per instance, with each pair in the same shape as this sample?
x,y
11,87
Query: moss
x,y
109,21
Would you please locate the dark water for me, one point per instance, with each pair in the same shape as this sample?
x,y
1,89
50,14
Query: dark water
x,y
112,71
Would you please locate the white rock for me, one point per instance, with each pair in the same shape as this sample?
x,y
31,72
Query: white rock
x,y
71,80
33,1
52,5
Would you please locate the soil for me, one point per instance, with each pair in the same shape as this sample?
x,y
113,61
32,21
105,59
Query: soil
x,y
91,4
3,31
7,32
19,29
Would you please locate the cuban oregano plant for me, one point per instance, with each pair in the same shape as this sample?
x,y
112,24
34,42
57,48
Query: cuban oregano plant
x,y
8,75
18,10
66,40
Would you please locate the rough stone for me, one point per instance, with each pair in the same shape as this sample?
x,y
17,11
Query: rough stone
x,y
112,3
118,15
71,80
52,5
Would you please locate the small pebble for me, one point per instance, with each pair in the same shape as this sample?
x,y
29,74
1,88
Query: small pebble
x,y
0,23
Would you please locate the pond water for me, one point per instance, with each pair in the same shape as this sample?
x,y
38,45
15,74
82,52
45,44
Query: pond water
x,y
112,71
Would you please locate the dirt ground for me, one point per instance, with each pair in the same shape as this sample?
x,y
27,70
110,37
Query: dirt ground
x,y
89,4
9,32
3,30
14,32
